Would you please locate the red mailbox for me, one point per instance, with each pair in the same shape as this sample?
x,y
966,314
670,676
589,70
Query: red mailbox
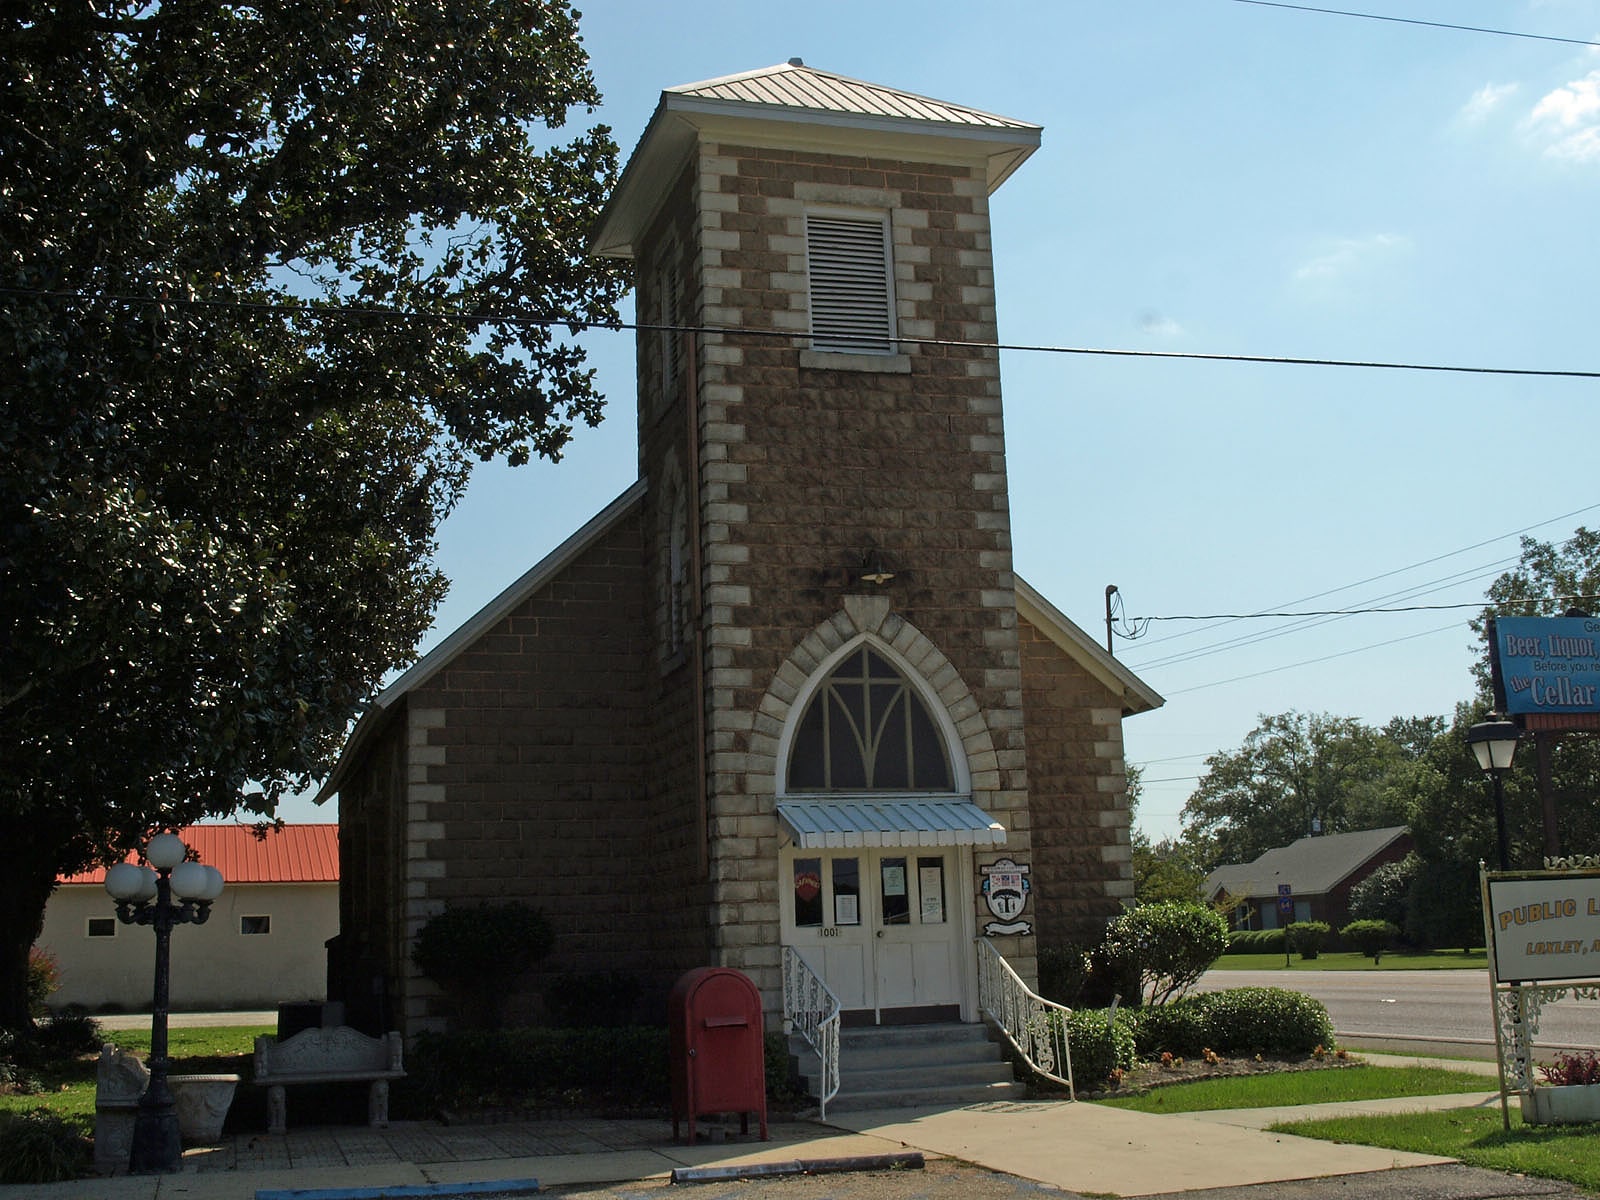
x,y
717,1042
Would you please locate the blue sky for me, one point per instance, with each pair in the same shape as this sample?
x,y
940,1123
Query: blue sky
x,y
1219,178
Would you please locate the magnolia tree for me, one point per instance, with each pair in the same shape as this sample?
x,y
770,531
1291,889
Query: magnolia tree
x,y
272,278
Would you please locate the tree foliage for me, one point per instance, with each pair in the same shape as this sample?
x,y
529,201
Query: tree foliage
x,y
1295,773
1381,896
1168,946
262,271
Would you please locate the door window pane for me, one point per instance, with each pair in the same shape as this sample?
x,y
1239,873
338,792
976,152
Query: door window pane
x,y
930,887
896,900
846,891
807,893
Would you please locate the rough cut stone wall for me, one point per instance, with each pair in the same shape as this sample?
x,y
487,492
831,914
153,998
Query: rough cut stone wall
x,y
370,944
527,773
1078,790
675,861
814,461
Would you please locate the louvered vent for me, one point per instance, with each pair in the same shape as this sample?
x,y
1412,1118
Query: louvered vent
x,y
851,304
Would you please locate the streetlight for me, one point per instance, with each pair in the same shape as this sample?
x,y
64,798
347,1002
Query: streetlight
x,y
1493,742
145,897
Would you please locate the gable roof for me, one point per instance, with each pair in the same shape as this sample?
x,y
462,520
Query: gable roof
x,y
796,106
291,854
1137,696
1311,866
481,622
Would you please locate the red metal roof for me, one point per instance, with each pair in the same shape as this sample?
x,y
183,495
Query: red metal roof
x,y
292,854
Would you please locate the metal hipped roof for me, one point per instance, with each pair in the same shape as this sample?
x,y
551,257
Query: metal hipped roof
x,y
290,854
796,86
834,824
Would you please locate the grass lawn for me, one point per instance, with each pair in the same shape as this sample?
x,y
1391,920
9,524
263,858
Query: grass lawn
x,y
69,1087
1349,960
1474,1136
1303,1087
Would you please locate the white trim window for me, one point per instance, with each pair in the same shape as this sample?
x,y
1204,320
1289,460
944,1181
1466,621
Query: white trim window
x,y
850,273
867,730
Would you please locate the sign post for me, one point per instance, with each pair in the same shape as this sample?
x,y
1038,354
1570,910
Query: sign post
x,y
1286,911
1540,930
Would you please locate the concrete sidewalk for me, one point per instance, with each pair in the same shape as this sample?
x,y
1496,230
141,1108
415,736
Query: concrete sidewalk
x,y
1076,1147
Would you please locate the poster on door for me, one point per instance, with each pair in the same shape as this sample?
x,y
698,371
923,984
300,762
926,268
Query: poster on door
x,y
1005,891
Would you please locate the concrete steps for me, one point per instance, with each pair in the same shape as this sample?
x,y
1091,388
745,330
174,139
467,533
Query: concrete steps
x,y
899,1066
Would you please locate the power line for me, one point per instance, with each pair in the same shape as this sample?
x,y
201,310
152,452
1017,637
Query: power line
x,y
1356,612
1310,662
1339,12
574,326
1577,512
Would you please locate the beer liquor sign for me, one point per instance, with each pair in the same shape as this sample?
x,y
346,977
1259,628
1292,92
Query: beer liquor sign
x,y
1548,664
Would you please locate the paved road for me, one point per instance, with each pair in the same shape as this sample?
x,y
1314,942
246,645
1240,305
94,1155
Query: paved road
x,y
1450,1006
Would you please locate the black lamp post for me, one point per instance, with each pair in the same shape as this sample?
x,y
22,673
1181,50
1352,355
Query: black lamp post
x,y
1494,742
145,897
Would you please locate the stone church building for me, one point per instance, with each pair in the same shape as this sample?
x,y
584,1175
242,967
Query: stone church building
x,y
787,690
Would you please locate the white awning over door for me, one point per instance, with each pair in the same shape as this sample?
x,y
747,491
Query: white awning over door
x,y
842,824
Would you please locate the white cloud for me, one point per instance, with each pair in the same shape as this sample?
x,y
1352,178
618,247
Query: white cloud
x,y
1575,104
1346,256
1485,100
1154,324
1568,118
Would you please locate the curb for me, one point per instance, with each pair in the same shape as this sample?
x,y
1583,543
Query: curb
x,y
497,1187
799,1166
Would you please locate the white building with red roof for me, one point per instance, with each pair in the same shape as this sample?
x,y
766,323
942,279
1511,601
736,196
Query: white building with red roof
x,y
263,944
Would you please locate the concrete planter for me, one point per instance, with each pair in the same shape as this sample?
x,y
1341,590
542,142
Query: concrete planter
x,y
1570,1105
203,1102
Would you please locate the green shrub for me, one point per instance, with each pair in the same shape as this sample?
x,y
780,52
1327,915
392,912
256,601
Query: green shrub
x,y
538,1069
1179,1027
1255,941
1170,945
69,1032
1099,1046
44,977
40,1147
1271,1021
1064,974
601,999
478,953
1307,938
1372,938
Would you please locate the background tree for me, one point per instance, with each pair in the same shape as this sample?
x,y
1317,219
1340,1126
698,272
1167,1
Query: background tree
x,y
1293,773
262,278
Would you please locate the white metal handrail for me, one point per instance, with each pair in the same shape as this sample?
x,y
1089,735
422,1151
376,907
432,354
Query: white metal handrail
x,y
1036,1027
812,1011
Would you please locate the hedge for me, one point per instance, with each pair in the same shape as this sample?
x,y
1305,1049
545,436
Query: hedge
x,y
1271,1021
1255,941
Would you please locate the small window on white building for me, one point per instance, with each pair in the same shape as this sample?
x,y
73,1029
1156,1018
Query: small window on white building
x,y
102,927
255,925
850,274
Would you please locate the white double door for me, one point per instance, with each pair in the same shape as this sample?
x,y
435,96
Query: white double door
x,y
887,929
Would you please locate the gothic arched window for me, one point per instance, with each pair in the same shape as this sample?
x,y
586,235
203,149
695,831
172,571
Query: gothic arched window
x,y
866,729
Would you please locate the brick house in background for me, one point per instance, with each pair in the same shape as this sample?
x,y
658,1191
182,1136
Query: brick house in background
x,y
1319,872
786,690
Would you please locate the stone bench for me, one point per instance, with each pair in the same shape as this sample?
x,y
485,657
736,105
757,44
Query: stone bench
x,y
336,1055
